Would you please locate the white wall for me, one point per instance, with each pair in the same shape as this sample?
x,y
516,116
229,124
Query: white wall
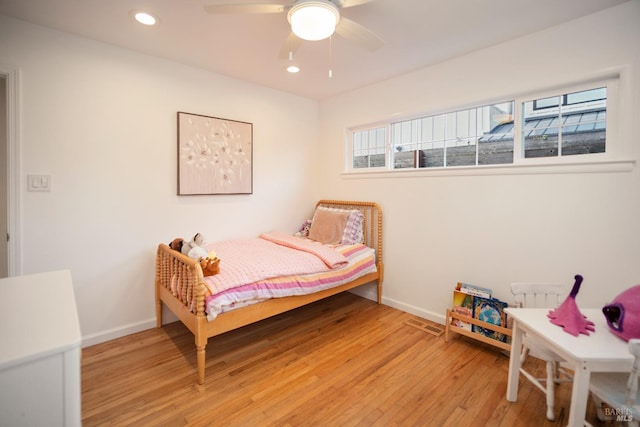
x,y
496,229
101,121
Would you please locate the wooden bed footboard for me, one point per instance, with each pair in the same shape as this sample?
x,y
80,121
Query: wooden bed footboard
x,y
180,277
180,286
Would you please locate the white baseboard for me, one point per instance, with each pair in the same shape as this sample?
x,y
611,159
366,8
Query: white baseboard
x,y
408,308
169,317
370,292
111,334
132,328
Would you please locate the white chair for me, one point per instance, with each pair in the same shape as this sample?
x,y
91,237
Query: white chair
x,y
541,295
619,391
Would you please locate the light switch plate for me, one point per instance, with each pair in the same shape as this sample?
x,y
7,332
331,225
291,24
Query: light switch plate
x,y
39,182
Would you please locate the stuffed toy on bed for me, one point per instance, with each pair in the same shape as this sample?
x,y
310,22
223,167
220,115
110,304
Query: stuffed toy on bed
x,y
209,262
194,249
210,266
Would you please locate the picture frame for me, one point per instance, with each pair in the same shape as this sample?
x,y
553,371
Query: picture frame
x,y
215,155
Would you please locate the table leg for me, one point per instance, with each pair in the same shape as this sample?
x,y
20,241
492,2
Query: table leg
x,y
514,362
579,396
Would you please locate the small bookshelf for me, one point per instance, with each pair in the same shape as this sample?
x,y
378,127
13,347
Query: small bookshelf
x,y
476,336
469,314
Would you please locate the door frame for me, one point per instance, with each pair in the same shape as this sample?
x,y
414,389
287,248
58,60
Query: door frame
x,y
12,76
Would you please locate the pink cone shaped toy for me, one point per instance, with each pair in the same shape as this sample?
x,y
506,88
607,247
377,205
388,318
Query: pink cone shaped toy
x,y
568,315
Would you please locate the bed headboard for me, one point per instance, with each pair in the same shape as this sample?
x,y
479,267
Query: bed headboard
x,y
372,227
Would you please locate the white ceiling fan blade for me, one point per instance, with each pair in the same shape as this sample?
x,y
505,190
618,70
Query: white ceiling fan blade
x,y
291,44
358,34
351,3
245,8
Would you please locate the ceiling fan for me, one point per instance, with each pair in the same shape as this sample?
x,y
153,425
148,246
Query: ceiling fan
x,y
310,20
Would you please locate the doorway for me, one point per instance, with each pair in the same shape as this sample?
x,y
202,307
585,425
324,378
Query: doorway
x,y
4,200
10,260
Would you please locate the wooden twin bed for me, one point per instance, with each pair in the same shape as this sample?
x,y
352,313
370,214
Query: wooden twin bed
x,y
180,285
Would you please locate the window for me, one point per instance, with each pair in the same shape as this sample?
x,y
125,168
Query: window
x,y
475,136
556,124
564,125
368,148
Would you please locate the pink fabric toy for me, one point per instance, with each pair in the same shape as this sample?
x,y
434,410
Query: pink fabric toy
x,y
568,315
623,314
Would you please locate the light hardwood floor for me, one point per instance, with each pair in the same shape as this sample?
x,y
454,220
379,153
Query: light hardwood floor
x,y
343,361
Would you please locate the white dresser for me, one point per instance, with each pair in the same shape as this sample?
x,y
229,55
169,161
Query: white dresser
x,y
39,351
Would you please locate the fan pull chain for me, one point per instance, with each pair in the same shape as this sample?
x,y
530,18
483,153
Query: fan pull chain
x,y
330,56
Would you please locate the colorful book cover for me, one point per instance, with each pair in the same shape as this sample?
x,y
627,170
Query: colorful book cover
x,y
462,304
474,290
490,310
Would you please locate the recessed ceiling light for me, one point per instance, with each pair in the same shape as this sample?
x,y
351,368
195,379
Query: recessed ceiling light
x,y
293,69
144,17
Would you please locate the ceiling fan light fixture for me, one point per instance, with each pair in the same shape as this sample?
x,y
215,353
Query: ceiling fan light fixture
x,y
313,20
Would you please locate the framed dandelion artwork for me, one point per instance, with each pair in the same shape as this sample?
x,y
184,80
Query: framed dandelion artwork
x,y
214,155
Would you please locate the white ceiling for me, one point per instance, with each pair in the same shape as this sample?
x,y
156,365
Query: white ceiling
x,y
417,33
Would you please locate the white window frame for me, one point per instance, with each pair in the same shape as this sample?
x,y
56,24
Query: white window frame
x,y
350,150
611,147
617,155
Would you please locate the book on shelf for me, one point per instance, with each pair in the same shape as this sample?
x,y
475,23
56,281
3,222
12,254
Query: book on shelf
x,y
473,290
462,304
490,310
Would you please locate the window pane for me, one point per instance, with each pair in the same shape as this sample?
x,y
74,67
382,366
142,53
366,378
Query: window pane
x,y
496,142
587,95
427,129
438,128
540,140
368,148
582,131
465,152
380,140
554,101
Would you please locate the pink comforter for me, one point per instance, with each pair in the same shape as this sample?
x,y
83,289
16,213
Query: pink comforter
x,y
274,254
